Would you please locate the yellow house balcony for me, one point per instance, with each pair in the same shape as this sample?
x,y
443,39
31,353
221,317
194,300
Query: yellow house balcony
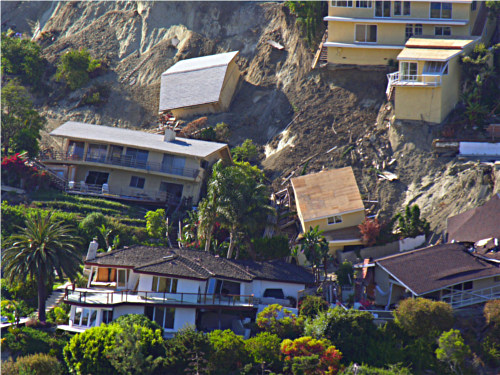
x,y
402,79
118,161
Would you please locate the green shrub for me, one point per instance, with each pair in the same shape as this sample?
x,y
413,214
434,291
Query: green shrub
x,y
264,349
246,152
138,319
36,364
280,321
74,68
29,340
229,353
187,349
22,57
348,330
311,306
268,248
76,207
58,315
452,350
421,317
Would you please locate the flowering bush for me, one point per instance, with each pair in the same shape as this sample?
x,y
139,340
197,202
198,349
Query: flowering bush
x,y
16,173
309,356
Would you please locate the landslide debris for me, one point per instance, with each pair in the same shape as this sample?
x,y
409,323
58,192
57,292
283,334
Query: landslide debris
x,y
304,120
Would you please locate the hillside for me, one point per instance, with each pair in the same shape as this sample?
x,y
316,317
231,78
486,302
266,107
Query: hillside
x,y
342,109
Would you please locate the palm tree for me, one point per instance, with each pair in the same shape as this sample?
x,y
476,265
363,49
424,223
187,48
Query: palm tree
x,y
315,248
44,246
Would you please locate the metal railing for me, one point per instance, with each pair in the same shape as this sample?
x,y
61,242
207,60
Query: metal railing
x,y
95,297
398,78
122,161
126,193
464,298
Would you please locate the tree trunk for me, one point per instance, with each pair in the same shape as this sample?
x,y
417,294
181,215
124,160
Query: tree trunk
x,y
207,242
231,246
41,297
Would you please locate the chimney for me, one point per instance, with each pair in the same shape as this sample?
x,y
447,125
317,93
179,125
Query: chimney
x,y
92,252
169,135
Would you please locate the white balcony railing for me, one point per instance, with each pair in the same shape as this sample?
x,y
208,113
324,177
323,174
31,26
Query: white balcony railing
x,y
465,298
403,79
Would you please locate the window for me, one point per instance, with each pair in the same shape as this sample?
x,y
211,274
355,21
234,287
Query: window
x,y
366,33
97,178
408,31
96,152
382,8
107,316
274,293
164,285
473,6
85,317
441,10
363,4
137,182
334,220
442,30
408,71
397,8
406,8
164,316
173,164
75,150
137,158
435,67
418,29
173,190
115,153
345,4
122,278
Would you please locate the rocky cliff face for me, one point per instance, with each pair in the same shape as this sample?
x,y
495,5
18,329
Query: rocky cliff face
x,y
336,113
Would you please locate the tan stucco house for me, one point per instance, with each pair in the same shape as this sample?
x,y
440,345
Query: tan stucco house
x,y
331,200
130,164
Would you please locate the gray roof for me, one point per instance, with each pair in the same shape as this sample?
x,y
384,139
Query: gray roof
x,y
194,264
194,81
134,138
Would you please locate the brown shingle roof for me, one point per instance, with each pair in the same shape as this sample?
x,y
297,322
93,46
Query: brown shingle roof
x,y
476,224
199,265
327,193
436,267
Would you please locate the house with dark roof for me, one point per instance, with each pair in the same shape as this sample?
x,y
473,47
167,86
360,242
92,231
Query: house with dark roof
x,y
175,287
200,85
479,226
129,164
450,272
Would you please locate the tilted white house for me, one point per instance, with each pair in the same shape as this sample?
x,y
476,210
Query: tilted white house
x,y
176,287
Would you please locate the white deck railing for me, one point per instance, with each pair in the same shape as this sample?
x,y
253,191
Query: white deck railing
x,y
458,299
422,80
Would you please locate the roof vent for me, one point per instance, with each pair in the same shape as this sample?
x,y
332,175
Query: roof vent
x,y
169,257
169,135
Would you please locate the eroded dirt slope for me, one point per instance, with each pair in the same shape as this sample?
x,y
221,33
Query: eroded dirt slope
x,y
338,116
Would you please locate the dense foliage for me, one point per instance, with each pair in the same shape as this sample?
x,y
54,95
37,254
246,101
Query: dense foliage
x,y
311,306
410,224
21,123
421,317
280,321
75,66
22,58
246,152
35,364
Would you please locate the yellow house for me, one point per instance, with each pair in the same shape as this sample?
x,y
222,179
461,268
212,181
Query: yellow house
x,y
131,165
199,85
427,85
375,32
331,200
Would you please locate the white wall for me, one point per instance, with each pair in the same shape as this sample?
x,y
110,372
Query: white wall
x,y
189,286
127,309
411,243
132,280
145,283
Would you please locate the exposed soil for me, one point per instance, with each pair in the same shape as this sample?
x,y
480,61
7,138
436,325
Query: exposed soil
x,y
304,120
